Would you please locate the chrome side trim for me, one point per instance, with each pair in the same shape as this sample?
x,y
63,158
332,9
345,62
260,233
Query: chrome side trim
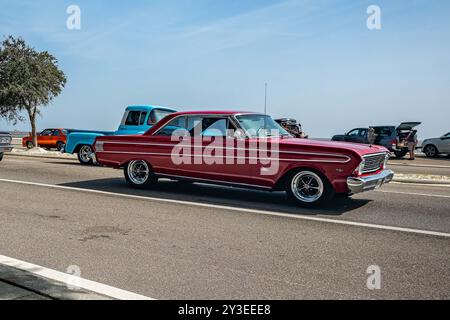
x,y
250,158
212,181
227,148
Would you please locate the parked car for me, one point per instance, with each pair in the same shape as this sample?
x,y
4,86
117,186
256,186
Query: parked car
x,y
5,143
436,146
136,120
390,137
48,138
311,172
293,127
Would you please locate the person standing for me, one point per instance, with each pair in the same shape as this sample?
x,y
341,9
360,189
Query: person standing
x,y
412,143
371,135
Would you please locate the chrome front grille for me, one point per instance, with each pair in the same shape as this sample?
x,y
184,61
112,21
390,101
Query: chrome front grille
x,y
5,140
373,162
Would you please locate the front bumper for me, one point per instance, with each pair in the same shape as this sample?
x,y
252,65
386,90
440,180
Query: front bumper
x,y
6,148
361,184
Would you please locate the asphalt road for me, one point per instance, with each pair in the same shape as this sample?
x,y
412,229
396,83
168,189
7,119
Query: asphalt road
x,y
219,245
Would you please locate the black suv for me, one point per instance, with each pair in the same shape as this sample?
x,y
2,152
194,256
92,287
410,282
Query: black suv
x,y
5,143
390,137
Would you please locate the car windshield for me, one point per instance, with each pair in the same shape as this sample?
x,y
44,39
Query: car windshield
x,y
259,125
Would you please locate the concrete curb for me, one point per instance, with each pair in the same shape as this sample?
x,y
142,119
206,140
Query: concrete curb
x,y
39,156
422,181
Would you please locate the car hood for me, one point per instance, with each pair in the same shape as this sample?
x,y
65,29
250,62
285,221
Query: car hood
x,y
408,125
360,149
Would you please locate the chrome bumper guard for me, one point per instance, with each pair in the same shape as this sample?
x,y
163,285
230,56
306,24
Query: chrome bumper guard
x,y
361,184
6,148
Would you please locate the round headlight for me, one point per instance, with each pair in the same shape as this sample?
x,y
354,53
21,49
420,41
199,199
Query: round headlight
x,y
386,159
361,167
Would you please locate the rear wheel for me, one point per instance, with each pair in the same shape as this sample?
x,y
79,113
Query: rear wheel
x,y
308,188
401,153
30,145
85,155
1,156
139,174
430,151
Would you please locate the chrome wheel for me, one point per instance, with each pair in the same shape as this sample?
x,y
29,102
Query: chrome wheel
x,y
60,146
307,186
85,153
138,172
430,151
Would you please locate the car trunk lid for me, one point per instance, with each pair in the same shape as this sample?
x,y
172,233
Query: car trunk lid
x,y
408,125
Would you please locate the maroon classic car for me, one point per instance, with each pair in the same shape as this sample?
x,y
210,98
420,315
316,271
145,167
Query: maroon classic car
x,y
244,149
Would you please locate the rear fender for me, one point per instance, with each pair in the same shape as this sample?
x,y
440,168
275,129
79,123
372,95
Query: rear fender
x,y
77,139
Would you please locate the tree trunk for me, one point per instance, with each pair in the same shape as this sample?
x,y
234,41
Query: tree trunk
x,y
32,116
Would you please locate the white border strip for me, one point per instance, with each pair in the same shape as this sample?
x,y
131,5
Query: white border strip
x,y
89,285
255,211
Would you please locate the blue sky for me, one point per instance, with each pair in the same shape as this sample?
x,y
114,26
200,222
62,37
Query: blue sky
x,y
323,66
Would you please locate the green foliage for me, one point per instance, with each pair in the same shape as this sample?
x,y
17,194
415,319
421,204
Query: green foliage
x,y
28,79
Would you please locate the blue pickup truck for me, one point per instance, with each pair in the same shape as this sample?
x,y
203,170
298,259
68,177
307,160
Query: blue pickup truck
x,y
136,120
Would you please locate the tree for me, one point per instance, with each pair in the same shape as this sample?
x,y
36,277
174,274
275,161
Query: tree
x,y
29,80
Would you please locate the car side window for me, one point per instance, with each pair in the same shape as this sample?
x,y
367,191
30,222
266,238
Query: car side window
x,y
215,127
46,132
353,133
135,118
178,123
207,126
55,133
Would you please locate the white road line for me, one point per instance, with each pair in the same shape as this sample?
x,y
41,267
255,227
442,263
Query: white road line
x,y
255,211
89,285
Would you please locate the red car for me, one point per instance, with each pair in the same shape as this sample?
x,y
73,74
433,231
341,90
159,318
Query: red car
x,y
49,138
246,150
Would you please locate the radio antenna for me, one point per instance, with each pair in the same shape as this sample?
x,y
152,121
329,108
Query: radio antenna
x,y
265,98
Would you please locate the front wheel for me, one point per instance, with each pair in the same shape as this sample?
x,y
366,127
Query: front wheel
x,y
1,156
30,145
85,155
430,151
139,174
308,188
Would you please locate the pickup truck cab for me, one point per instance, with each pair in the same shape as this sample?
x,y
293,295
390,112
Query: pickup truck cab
x,y
5,143
136,120
390,137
